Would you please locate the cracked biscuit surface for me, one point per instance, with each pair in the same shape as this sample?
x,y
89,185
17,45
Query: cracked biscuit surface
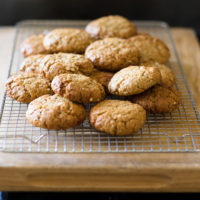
x,y
158,99
33,45
56,64
150,48
134,80
111,26
117,117
78,88
167,76
55,112
69,40
31,64
25,87
112,54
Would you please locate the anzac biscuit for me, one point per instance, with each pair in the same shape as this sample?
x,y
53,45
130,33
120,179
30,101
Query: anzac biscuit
x,y
117,117
56,64
167,76
55,112
33,45
31,64
112,54
111,26
78,88
158,99
150,48
25,87
134,80
68,40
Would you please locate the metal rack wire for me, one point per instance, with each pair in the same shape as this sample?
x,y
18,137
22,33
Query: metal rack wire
x,y
175,132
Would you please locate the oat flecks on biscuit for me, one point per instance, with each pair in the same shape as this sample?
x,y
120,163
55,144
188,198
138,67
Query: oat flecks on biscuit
x,y
78,88
55,112
117,117
111,26
134,80
158,99
150,48
25,87
33,45
31,64
167,76
69,40
102,77
56,64
112,54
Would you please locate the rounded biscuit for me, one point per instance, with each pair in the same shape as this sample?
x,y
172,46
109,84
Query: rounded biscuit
x,y
33,45
56,64
68,40
150,48
158,99
31,64
167,76
111,26
78,88
25,87
117,117
134,80
112,54
55,112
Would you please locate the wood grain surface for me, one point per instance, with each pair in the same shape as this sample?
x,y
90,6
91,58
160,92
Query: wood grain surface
x,y
188,49
141,172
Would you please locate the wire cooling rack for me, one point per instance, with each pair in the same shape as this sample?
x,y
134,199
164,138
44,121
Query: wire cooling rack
x,y
175,132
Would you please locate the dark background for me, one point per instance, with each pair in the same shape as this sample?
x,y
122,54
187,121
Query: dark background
x,y
175,12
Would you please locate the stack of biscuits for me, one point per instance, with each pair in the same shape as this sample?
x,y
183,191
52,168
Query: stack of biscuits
x,y
68,68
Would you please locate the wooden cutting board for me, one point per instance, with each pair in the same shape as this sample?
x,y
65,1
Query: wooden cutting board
x,y
141,172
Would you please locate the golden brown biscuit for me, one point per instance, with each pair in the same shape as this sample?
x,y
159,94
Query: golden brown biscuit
x,y
150,48
25,87
55,64
69,40
78,88
33,45
158,99
167,76
111,26
117,117
134,80
102,77
112,54
55,112
31,64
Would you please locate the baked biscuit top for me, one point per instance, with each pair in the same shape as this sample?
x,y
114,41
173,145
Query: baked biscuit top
x,y
25,87
33,45
55,64
111,26
150,48
69,40
78,88
55,112
117,117
112,54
